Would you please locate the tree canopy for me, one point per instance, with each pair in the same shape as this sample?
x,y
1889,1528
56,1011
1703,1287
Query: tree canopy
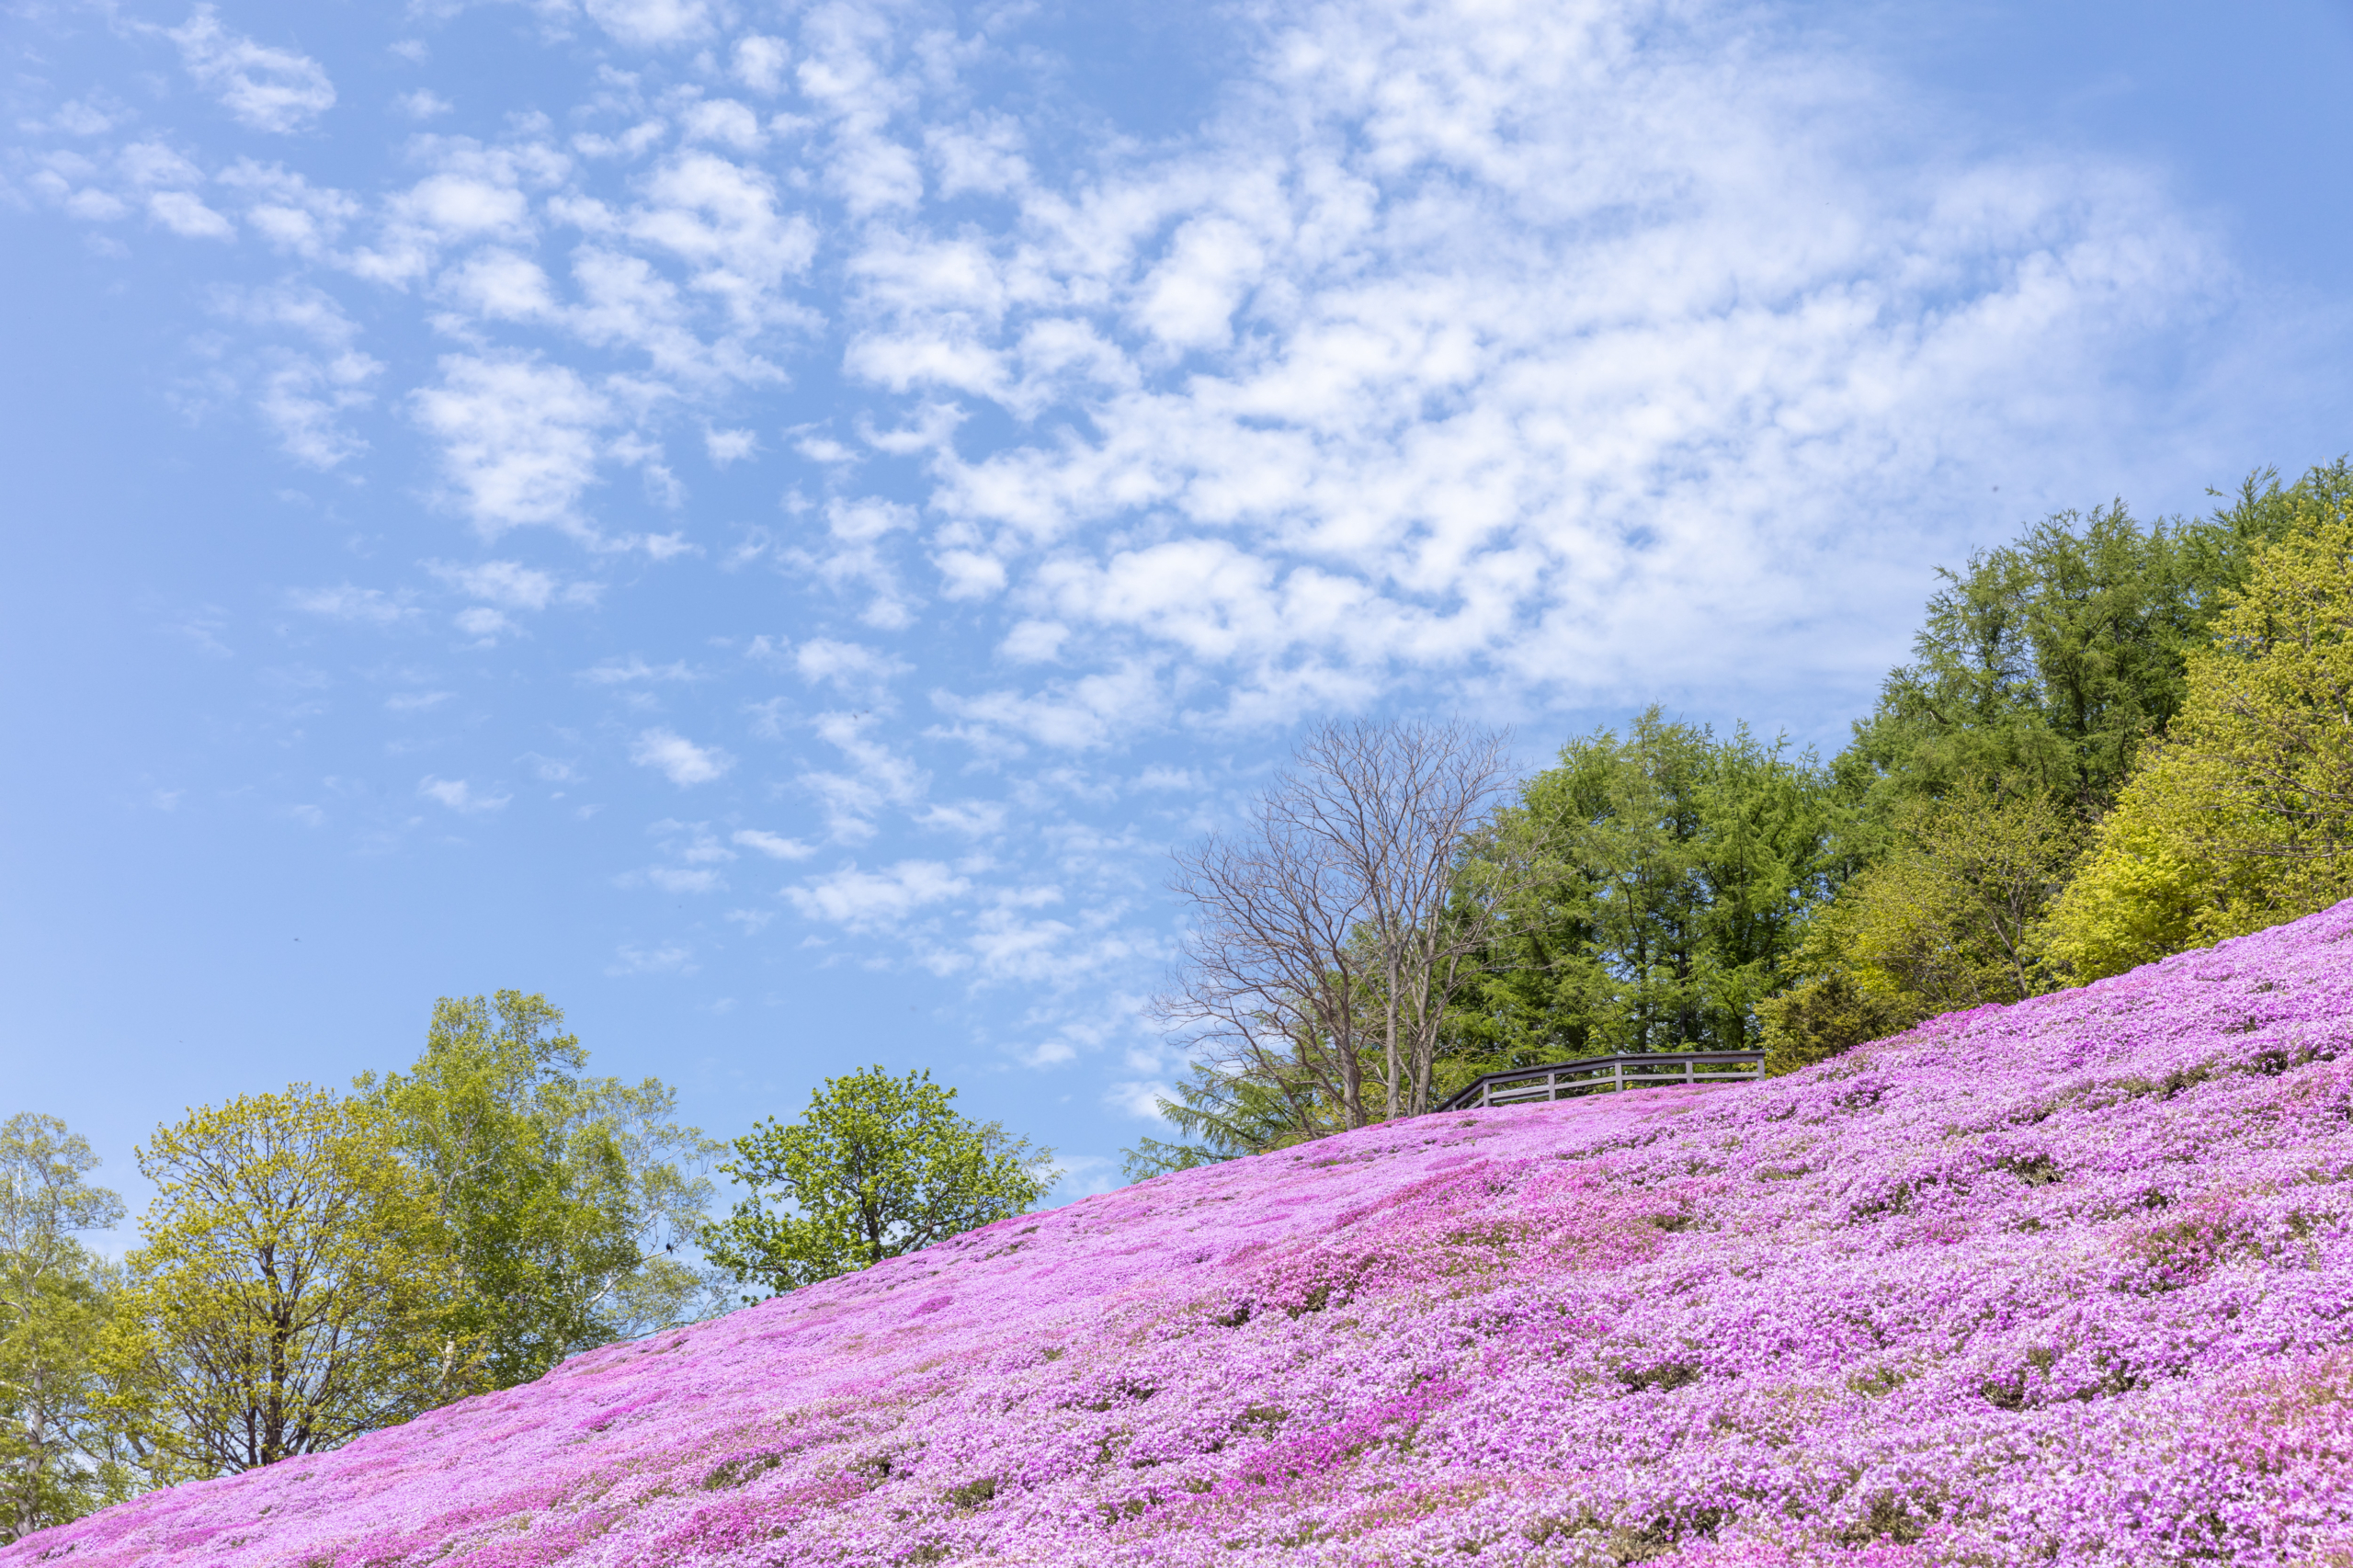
x,y
56,1458
285,1295
557,1199
2243,817
877,1166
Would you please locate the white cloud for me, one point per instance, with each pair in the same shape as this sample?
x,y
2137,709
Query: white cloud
x,y
649,23
725,121
1139,1100
365,606
1070,714
519,437
152,163
421,104
851,669
500,284
760,62
866,900
880,777
305,398
1189,299
723,219
269,89
1160,775
483,622
459,796
183,214
973,819
1086,1175
1034,641
289,211
635,671
775,846
679,759
726,447
985,156
700,879
667,958
512,584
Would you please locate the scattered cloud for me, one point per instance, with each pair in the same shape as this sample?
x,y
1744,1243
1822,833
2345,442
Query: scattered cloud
x,y
183,214
269,89
461,796
512,584
869,901
484,623
635,671
651,23
726,447
854,669
1507,358
519,438
689,879
1139,1098
773,844
1085,1175
667,957
363,606
678,759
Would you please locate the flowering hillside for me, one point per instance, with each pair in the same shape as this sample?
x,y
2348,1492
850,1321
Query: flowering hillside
x,y
2067,1281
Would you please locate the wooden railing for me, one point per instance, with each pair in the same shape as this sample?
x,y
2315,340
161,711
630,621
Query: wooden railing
x,y
1604,1074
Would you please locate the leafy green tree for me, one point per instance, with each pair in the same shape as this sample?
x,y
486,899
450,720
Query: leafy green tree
x,y
2043,662
2243,818
1949,918
1674,873
280,1300
877,1166
559,1201
56,1458
2044,665
2046,673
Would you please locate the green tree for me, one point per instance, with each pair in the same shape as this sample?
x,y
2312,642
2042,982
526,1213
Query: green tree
x,y
1675,871
2046,673
1949,918
2243,818
56,1458
560,1200
876,1167
280,1300
2045,664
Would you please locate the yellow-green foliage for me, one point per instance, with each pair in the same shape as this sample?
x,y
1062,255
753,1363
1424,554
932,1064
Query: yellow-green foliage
x,y
1948,919
287,1293
2243,816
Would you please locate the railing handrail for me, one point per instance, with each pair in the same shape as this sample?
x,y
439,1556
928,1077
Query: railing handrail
x,y
1477,1094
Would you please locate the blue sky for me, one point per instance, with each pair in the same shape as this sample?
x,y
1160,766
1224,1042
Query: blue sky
x,y
765,522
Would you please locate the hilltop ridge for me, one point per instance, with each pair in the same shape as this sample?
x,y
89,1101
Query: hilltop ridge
x,y
2067,1281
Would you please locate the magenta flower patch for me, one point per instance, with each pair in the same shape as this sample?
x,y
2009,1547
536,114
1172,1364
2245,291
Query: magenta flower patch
x,y
2067,1282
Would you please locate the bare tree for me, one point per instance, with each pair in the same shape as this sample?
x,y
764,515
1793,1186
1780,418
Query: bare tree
x,y
1339,915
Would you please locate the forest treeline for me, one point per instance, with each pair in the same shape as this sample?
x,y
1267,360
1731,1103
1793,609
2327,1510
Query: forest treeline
x,y
2113,740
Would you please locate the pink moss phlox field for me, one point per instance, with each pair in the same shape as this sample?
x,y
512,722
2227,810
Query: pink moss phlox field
x,y
2065,1282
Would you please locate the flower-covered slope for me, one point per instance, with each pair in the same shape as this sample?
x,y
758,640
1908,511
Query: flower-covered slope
x,y
2062,1282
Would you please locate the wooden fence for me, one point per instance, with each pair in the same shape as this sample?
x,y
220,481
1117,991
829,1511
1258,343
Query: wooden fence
x,y
1605,1074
